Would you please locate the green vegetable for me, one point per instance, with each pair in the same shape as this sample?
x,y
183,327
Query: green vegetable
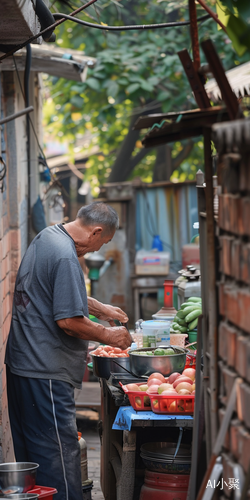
x,y
181,314
188,304
193,324
190,309
175,326
168,351
194,299
193,315
159,352
181,322
182,329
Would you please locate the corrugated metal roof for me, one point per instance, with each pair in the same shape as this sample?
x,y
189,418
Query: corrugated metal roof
x,y
239,79
181,126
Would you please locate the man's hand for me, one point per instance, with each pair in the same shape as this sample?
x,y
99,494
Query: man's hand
x,y
106,312
119,336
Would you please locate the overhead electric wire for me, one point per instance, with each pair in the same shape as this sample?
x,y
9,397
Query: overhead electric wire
x,y
63,17
104,27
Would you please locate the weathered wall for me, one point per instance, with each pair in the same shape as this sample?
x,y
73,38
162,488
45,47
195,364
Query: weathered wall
x,y
14,215
234,294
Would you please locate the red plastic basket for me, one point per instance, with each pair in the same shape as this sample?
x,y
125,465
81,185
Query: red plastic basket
x,y
44,492
172,404
139,400
190,361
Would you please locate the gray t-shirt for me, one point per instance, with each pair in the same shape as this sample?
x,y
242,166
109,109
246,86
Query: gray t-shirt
x,y
49,286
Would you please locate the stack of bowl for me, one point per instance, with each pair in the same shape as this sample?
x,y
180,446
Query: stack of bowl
x,y
159,457
16,479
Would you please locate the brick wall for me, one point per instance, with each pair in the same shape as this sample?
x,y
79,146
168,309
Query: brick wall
x,y
234,305
13,222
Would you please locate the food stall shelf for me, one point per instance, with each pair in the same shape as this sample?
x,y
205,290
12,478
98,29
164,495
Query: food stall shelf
x,y
121,428
127,417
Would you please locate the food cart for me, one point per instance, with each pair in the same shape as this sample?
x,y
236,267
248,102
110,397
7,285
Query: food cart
x,y
126,425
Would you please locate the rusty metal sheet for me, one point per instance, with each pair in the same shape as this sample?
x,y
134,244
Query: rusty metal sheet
x,y
233,136
187,126
194,79
228,96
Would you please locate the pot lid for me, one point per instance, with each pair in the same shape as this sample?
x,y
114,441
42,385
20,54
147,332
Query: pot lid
x,y
190,273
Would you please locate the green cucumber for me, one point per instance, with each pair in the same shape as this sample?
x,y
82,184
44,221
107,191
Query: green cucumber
x,y
194,299
175,326
182,329
188,304
193,315
181,322
193,324
181,314
190,309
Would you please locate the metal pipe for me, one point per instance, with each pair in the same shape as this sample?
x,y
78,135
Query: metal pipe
x,y
105,266
16,115
26,97
194,34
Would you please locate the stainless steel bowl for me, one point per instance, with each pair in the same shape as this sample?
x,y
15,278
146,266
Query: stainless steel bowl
x,y
17,477
145,365
102,367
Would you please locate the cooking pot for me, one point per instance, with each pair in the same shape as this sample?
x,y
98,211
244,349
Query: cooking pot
x,y
103,367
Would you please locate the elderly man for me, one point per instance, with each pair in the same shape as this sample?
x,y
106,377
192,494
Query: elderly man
x,y
47,345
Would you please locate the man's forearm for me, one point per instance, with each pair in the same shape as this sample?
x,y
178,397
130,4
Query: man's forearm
x,y
83,328
95,307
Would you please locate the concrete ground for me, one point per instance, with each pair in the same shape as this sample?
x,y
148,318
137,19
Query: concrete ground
x,y
88,402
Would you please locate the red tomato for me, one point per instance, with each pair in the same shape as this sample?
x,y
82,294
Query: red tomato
x,y
104,354
107,348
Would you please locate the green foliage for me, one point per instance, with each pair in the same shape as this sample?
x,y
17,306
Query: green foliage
x,y
136,72
235,14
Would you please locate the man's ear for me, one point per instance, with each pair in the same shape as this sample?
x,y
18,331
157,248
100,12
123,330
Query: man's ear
x,y
97,230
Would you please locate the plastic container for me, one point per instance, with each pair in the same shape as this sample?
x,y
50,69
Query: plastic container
x,y
192,336
157,243
156,332
139,400
160,486
172,404
44,492
152,262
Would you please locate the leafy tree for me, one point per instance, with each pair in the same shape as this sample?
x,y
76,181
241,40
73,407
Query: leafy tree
x,y
235,14
136,72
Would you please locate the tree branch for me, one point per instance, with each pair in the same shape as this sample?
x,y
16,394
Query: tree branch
x,y
182,155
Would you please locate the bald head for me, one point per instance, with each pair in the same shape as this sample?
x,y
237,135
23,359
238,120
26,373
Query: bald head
x,y
98,213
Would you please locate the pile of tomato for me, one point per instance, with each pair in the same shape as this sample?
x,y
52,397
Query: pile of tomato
x,y
106,351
